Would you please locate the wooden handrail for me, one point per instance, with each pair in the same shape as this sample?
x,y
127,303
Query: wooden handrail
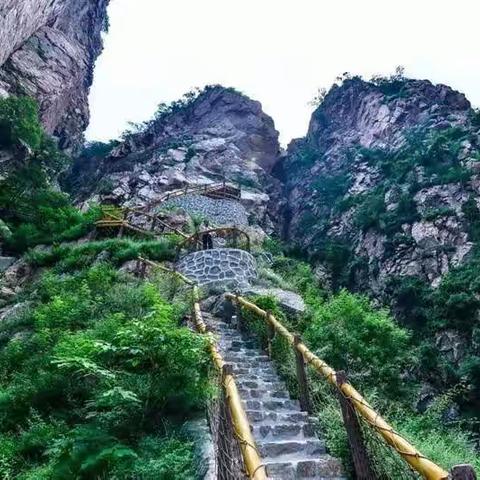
x,y
196,237
410,454
250,455
202,189
112,220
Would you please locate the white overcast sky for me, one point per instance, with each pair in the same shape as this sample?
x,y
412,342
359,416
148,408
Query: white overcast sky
x,y
276,51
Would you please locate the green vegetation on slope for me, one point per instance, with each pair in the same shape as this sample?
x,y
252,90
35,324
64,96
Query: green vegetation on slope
x,y
97,375
33,209
381,358
93,377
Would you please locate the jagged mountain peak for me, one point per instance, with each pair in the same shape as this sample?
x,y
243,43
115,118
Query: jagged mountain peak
x,y
378,113
386,171
213,112
210,135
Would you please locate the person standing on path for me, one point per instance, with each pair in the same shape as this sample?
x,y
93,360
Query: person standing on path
x,y
207,239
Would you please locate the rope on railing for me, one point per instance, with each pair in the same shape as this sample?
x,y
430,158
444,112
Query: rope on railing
x,y
408,452
239,422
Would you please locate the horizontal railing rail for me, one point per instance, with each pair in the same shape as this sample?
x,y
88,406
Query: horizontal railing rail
x,y
122,218
194,242
216,190
406,450
250,455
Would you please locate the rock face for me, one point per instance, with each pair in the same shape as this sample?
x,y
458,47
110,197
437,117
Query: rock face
x,y
47,50
218,135
383,181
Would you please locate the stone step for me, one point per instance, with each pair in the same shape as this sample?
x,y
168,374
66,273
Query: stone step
x,y
284,431
288,450
285,435
255,393
247,382
272,405
246,357
322,468
263,417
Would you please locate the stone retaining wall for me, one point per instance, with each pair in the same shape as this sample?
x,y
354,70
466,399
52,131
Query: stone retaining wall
x,y
220,265
220,212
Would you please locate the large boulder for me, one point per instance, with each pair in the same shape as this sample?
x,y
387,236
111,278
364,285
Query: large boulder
x,y
288,300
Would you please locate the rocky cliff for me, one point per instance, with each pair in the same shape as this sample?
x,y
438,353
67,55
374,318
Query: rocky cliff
x,y
209,136
384,181
47,51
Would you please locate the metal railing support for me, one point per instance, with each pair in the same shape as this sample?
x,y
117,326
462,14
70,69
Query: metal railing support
x,y
462,472
303,392
358,451
409,453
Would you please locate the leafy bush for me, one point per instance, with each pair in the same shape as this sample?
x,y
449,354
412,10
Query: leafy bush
x,y
33,210
306,156
105,364
19,122
369,213
472,216
434,213
332,187
98,149
446,444
302,279
351,335
116,251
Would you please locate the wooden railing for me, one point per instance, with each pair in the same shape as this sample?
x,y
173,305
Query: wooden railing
x,y
216,190
251,458
122,218
354,401
238,238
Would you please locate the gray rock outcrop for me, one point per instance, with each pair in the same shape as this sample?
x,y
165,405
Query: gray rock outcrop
x,y
47,51
218,135
328,175
290,301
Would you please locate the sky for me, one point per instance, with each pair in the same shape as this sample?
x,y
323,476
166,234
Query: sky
x,y
279,52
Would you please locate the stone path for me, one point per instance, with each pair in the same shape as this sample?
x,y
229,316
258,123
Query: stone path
x,y
284,434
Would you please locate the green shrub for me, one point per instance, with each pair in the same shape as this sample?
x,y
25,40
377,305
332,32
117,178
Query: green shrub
x,y
369,213
331,188
413,301
105,364
118,251
19,122
435,213
351,335
472,216
33,210
445,444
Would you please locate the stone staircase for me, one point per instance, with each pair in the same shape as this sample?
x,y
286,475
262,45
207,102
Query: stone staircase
x,y
285,436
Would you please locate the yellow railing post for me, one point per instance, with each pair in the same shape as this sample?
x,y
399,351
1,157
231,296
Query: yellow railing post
x,y
250,456
409,453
